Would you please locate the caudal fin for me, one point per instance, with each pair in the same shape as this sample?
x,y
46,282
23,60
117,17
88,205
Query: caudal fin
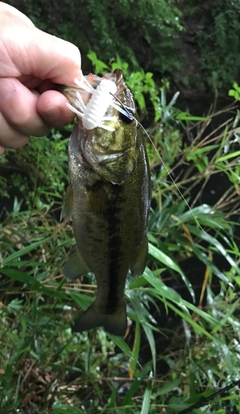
x,y
115,324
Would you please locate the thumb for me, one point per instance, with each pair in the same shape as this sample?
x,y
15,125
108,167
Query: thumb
x,y
52,58
26,50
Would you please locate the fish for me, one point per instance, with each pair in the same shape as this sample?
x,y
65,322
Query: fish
x,y
108,200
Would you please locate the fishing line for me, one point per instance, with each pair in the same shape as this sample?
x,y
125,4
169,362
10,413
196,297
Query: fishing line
x,y
208,236
128,112
234,383
204,401
130,115
174,183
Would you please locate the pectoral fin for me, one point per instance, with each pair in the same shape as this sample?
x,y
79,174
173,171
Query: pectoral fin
x,y
74,266
67,204
139,263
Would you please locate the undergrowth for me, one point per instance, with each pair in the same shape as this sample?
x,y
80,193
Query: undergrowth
x,y
182,342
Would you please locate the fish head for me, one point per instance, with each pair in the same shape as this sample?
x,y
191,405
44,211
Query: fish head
x,y
111,148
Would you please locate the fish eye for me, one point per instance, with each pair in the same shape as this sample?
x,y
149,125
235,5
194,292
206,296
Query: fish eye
x,y
126,119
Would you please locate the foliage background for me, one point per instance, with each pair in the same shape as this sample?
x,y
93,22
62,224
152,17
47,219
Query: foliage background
x,y
196,45
183,343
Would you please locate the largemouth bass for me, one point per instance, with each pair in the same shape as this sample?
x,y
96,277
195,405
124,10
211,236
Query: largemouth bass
x,y
108,199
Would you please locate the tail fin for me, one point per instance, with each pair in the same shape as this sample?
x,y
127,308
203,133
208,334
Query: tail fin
x,y
115,324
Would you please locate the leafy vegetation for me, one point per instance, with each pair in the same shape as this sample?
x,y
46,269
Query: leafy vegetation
x,y
195,45
220,46
113,27
210,45
182,342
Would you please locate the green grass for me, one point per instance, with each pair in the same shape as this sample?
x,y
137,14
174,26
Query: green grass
x,y
46,369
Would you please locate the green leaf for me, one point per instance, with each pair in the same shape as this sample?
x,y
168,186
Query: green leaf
x,y
206,215
122,345
59,408
168,387
151,340
163,258
185,116
162,289
136,348
147,396
219,247
21,277
135,386
138,282
179,305
83,300
98,64
228,156
23,251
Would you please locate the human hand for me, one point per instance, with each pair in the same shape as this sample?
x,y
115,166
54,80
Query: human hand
x,y
32,62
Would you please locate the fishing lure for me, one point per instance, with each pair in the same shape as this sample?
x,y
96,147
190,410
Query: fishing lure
x,y
93,113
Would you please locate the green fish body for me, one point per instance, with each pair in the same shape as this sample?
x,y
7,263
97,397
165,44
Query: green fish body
x,y
108,199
